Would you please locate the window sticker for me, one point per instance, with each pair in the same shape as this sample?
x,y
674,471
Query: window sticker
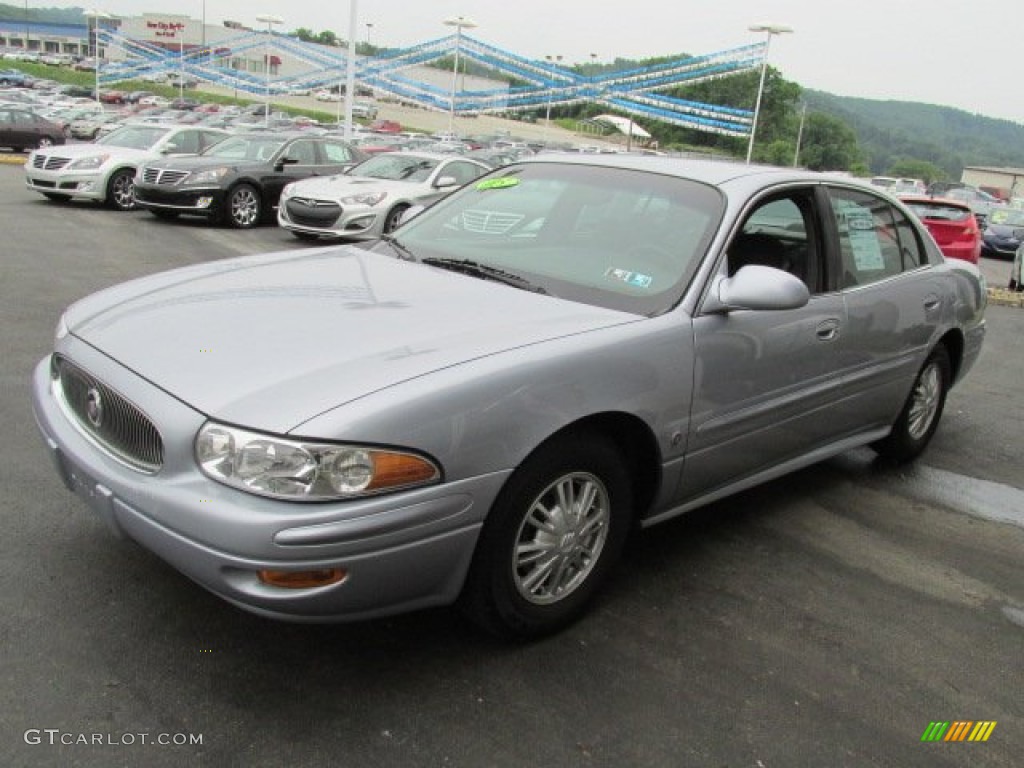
x,y
857,223
502,182
634,279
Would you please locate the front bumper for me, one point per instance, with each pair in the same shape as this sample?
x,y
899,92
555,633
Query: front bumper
x,y
401,551
330,221
85,185
200,201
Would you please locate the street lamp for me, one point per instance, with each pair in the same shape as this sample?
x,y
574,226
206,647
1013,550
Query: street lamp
x,y
769,30
369,26
269,20
547,117
459,22
94,15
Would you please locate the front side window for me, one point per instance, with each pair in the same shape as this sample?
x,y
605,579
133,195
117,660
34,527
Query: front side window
x,y
876,240
782,232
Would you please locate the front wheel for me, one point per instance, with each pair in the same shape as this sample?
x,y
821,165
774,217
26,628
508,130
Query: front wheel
x,y
121,190
44,142
920,416
551,538
394,218
243,207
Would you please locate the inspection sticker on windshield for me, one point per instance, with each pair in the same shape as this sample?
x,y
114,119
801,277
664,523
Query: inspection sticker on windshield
x,y
636,279
499,183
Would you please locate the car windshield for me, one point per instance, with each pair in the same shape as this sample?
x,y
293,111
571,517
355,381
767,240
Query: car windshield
x,y
247,148
134,136
396,167
1007,217
621,239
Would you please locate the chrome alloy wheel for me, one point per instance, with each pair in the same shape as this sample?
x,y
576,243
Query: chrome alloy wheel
x,y
925,401
245,207
560,540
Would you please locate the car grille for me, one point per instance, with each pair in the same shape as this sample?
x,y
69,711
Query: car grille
x,y
307,212
49,162
162,176
109,418
489,222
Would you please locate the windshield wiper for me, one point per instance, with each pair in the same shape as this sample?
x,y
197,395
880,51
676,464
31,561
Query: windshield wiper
x,y
403,252
476,269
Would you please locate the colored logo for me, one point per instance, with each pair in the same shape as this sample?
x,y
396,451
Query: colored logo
x,y
959,730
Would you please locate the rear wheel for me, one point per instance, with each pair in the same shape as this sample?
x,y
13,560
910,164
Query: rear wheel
x,y
920,416
551,538
121,190
43,142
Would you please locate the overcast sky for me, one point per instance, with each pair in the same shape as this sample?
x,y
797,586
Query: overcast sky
x,y
948,52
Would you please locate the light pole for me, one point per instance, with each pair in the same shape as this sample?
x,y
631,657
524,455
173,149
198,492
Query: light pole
x,y
94,16
459,22
181,65
547,115
769,30
800,136
369,26
269,20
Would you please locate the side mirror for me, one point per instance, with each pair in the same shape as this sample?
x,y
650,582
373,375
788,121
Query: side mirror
x,y
757,287
446,181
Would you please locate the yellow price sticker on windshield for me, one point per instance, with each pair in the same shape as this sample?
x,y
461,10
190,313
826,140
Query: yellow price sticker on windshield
x,y
501,182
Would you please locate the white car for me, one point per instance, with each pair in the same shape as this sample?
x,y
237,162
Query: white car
x,y
327,96
104,171
370,199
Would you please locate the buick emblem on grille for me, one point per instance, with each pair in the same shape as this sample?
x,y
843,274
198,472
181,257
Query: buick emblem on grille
x,y
94,407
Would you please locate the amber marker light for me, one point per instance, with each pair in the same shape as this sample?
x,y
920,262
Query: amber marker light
x,y
303,579
391,470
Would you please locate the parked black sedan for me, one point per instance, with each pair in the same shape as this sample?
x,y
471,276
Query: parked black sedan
x,y
239,181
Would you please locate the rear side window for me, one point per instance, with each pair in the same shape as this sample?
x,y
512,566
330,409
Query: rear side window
x,y
876,240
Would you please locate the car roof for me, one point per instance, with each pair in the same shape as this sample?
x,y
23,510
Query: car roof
x,y
713,172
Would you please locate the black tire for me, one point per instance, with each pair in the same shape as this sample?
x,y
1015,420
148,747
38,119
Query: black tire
x,y
243,208
393,218
44,141
535,569
121,190
920,416
56,197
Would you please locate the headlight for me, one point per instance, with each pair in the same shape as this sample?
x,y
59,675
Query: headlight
x,y
287,191
366,198
87,163
301,470
206,176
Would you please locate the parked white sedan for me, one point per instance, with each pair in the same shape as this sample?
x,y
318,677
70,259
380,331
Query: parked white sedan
x,y
104,171
370,199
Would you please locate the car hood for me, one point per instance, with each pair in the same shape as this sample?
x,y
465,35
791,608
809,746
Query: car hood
x,y
272,341
338,186
199,163
76,151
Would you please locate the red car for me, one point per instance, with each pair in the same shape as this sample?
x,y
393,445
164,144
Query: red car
x,y
951,223
385,126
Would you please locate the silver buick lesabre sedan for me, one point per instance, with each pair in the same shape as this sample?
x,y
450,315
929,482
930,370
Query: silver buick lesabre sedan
x,y
479,407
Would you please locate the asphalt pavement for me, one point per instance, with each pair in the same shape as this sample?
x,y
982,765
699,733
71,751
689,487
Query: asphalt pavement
x,y
826,619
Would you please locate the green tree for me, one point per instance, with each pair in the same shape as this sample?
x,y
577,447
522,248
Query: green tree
x,y
917,169
828,144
